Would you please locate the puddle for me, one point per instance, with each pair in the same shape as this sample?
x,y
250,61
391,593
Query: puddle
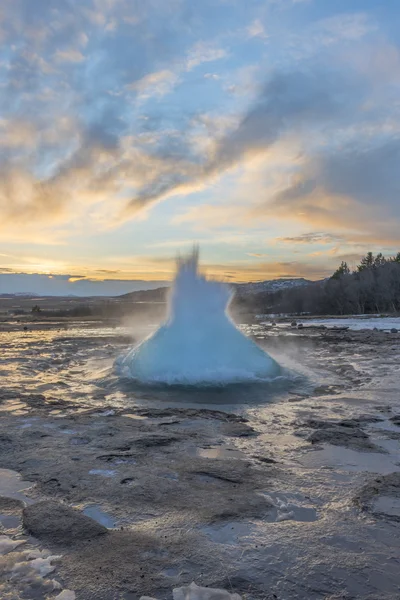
x,y
96,513
388,505
344,459
217,452
289,507
9,521
230,533
386,425
103,472
12,486
136,417
77,441
171,572
172,476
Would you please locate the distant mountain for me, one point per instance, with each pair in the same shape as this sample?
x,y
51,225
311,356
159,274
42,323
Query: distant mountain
x,y
20,295
157,295
271,285
39,284
241,289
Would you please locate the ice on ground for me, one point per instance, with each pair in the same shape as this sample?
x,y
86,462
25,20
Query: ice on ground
x,y
24,572
8,545
12,486
359,323
66,595
195,592
198,343
102,472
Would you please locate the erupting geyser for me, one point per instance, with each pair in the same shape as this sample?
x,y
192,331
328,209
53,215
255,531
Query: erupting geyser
x,y
198,344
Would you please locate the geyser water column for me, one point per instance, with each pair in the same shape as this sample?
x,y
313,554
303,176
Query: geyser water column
x,y
198,343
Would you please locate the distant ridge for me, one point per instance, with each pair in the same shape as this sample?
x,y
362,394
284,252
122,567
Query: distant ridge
x,y
241,289
270,285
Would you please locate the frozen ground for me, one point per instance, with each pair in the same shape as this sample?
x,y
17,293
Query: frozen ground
x,y
288,491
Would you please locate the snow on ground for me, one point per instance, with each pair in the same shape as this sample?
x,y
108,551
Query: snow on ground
x,y
358,323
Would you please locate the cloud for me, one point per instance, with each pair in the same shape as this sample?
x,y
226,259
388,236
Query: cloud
x,y
311,238
288,101
204,52
72,56
353,188
155,84
256,30
107,110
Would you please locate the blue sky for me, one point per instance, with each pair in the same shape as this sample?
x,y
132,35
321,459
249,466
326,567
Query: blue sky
x,y
266,131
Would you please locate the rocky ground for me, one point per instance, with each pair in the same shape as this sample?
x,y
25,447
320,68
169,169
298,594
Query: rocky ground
x,y
287,491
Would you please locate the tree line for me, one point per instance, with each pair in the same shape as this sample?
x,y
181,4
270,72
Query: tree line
x,y
373,287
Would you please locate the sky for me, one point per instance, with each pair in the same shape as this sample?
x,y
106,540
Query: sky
x,y
267,132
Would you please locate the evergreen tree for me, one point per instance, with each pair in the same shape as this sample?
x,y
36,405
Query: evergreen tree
x,y
341,271
367,262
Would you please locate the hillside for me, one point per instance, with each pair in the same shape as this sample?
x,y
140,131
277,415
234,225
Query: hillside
x,y
241,289
270,285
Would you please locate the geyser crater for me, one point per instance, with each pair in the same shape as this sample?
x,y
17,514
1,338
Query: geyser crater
x,y
198,344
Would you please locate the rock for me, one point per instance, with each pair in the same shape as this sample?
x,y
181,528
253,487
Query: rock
x,y
189,413
153,440
238,430
321,390
265,459
350,437
395,420
293,324
393,330
58,523
381,497
300,326
34,400
10,506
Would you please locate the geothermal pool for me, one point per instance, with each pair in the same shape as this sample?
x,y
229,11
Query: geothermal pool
x,y
288,489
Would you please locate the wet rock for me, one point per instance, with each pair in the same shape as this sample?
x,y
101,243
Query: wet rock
x,y
60,524
190,413
6,442
393,330
395,420
350,423
337,435
133,563
10,506
342,433
265,459
35,400
151,440
381,497
238,430
323,390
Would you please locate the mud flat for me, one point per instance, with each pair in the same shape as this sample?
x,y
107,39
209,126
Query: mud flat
x,y
113,491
